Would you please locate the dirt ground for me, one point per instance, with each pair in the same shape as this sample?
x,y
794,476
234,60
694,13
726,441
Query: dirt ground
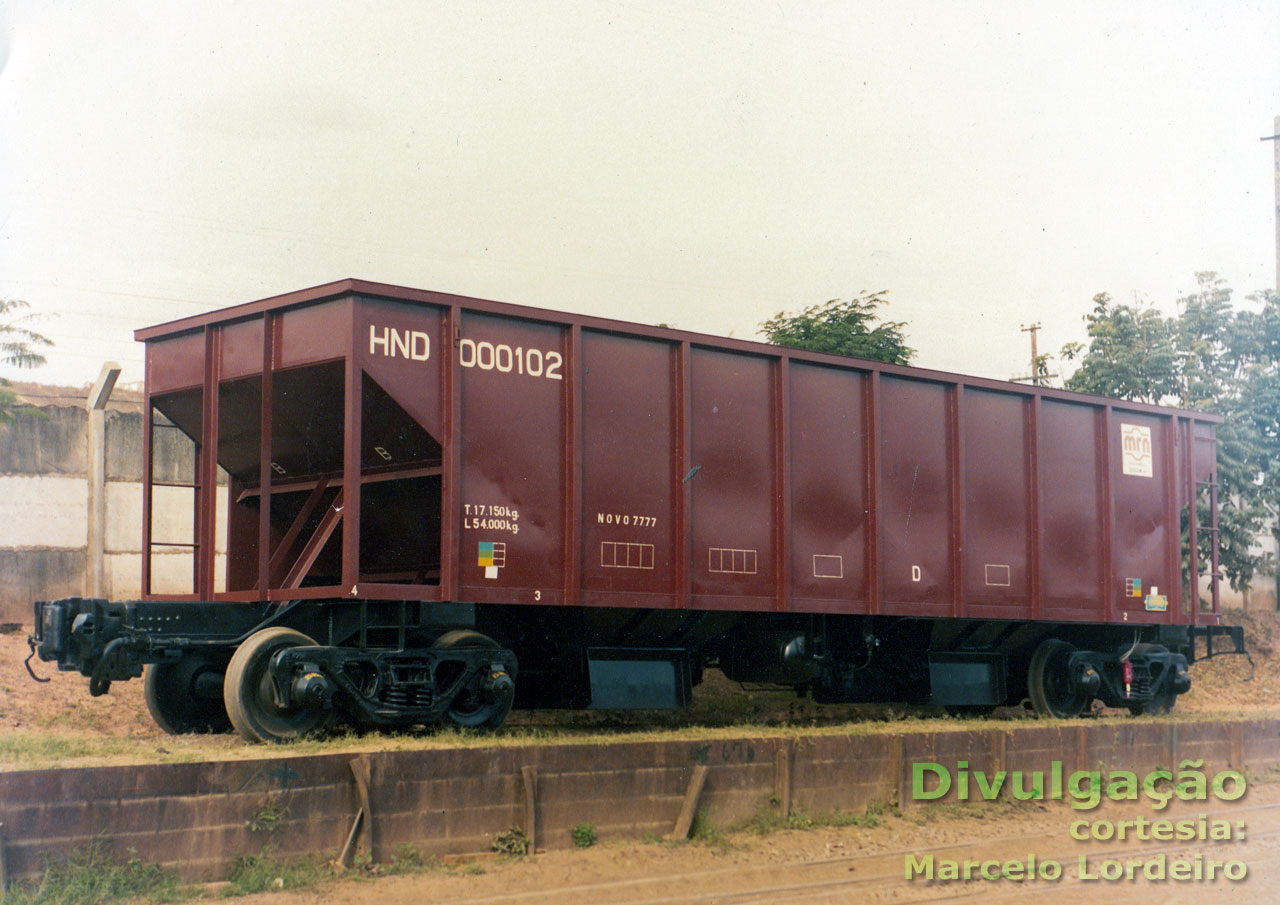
x,y
866,865
63,705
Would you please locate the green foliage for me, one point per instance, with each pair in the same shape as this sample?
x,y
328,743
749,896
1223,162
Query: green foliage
x,y
584,835
842,328
1130,353
93,875
18,347
514,842
1213,358
408,860
18,342
704,831
260,873
767,819
266,819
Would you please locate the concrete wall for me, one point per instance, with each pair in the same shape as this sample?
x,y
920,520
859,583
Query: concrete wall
x,y
44,496
196,818
1262,594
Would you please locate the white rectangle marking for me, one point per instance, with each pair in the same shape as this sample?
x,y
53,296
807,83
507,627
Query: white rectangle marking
x,y
828,566
623,555
998,576
731,561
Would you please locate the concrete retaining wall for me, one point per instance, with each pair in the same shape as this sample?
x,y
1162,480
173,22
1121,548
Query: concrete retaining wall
x,y
197,818
44,500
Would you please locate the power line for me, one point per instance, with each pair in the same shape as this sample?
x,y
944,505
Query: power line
x,y
119,293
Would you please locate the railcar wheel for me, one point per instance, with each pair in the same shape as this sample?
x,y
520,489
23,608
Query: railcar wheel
x,y
473,708
250,696
176,703
1049,682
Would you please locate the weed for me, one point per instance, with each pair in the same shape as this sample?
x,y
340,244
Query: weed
x,y
766,819
514,843
584,835
408,860
1260,776
983,810
93,875
259,873
704,831
266,819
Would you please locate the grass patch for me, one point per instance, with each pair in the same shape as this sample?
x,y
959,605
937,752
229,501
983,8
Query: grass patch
x,y
408,860
25,750
767,819
21,750
93,875
262,873
704,831
994,809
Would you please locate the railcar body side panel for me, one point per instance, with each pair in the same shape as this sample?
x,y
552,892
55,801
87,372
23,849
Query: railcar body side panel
x,y
734,528
381,443
830,489
916,503
630,489
997,441
513,487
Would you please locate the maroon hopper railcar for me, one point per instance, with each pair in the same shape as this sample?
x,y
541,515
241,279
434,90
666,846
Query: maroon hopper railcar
x,y
418,493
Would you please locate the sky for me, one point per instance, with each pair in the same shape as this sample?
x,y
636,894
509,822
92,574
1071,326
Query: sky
x,y
988,164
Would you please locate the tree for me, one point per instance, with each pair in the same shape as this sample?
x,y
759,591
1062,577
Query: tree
x,y
18,347
1259,407
842,328
1130,353
1209,358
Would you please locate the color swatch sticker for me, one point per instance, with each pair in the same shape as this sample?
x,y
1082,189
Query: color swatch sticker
x,y
493,556
1133,587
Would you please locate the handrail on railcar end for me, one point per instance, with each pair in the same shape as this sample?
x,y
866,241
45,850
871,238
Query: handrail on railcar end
x,y
1234,632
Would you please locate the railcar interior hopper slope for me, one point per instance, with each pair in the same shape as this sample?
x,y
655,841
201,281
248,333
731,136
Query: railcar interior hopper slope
x,y
395,507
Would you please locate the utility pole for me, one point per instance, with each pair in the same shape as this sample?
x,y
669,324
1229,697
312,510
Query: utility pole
x,y
1276,138
1033,329
1036,378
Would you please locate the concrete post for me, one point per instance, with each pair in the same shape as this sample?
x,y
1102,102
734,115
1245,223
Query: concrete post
x,y
95,552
